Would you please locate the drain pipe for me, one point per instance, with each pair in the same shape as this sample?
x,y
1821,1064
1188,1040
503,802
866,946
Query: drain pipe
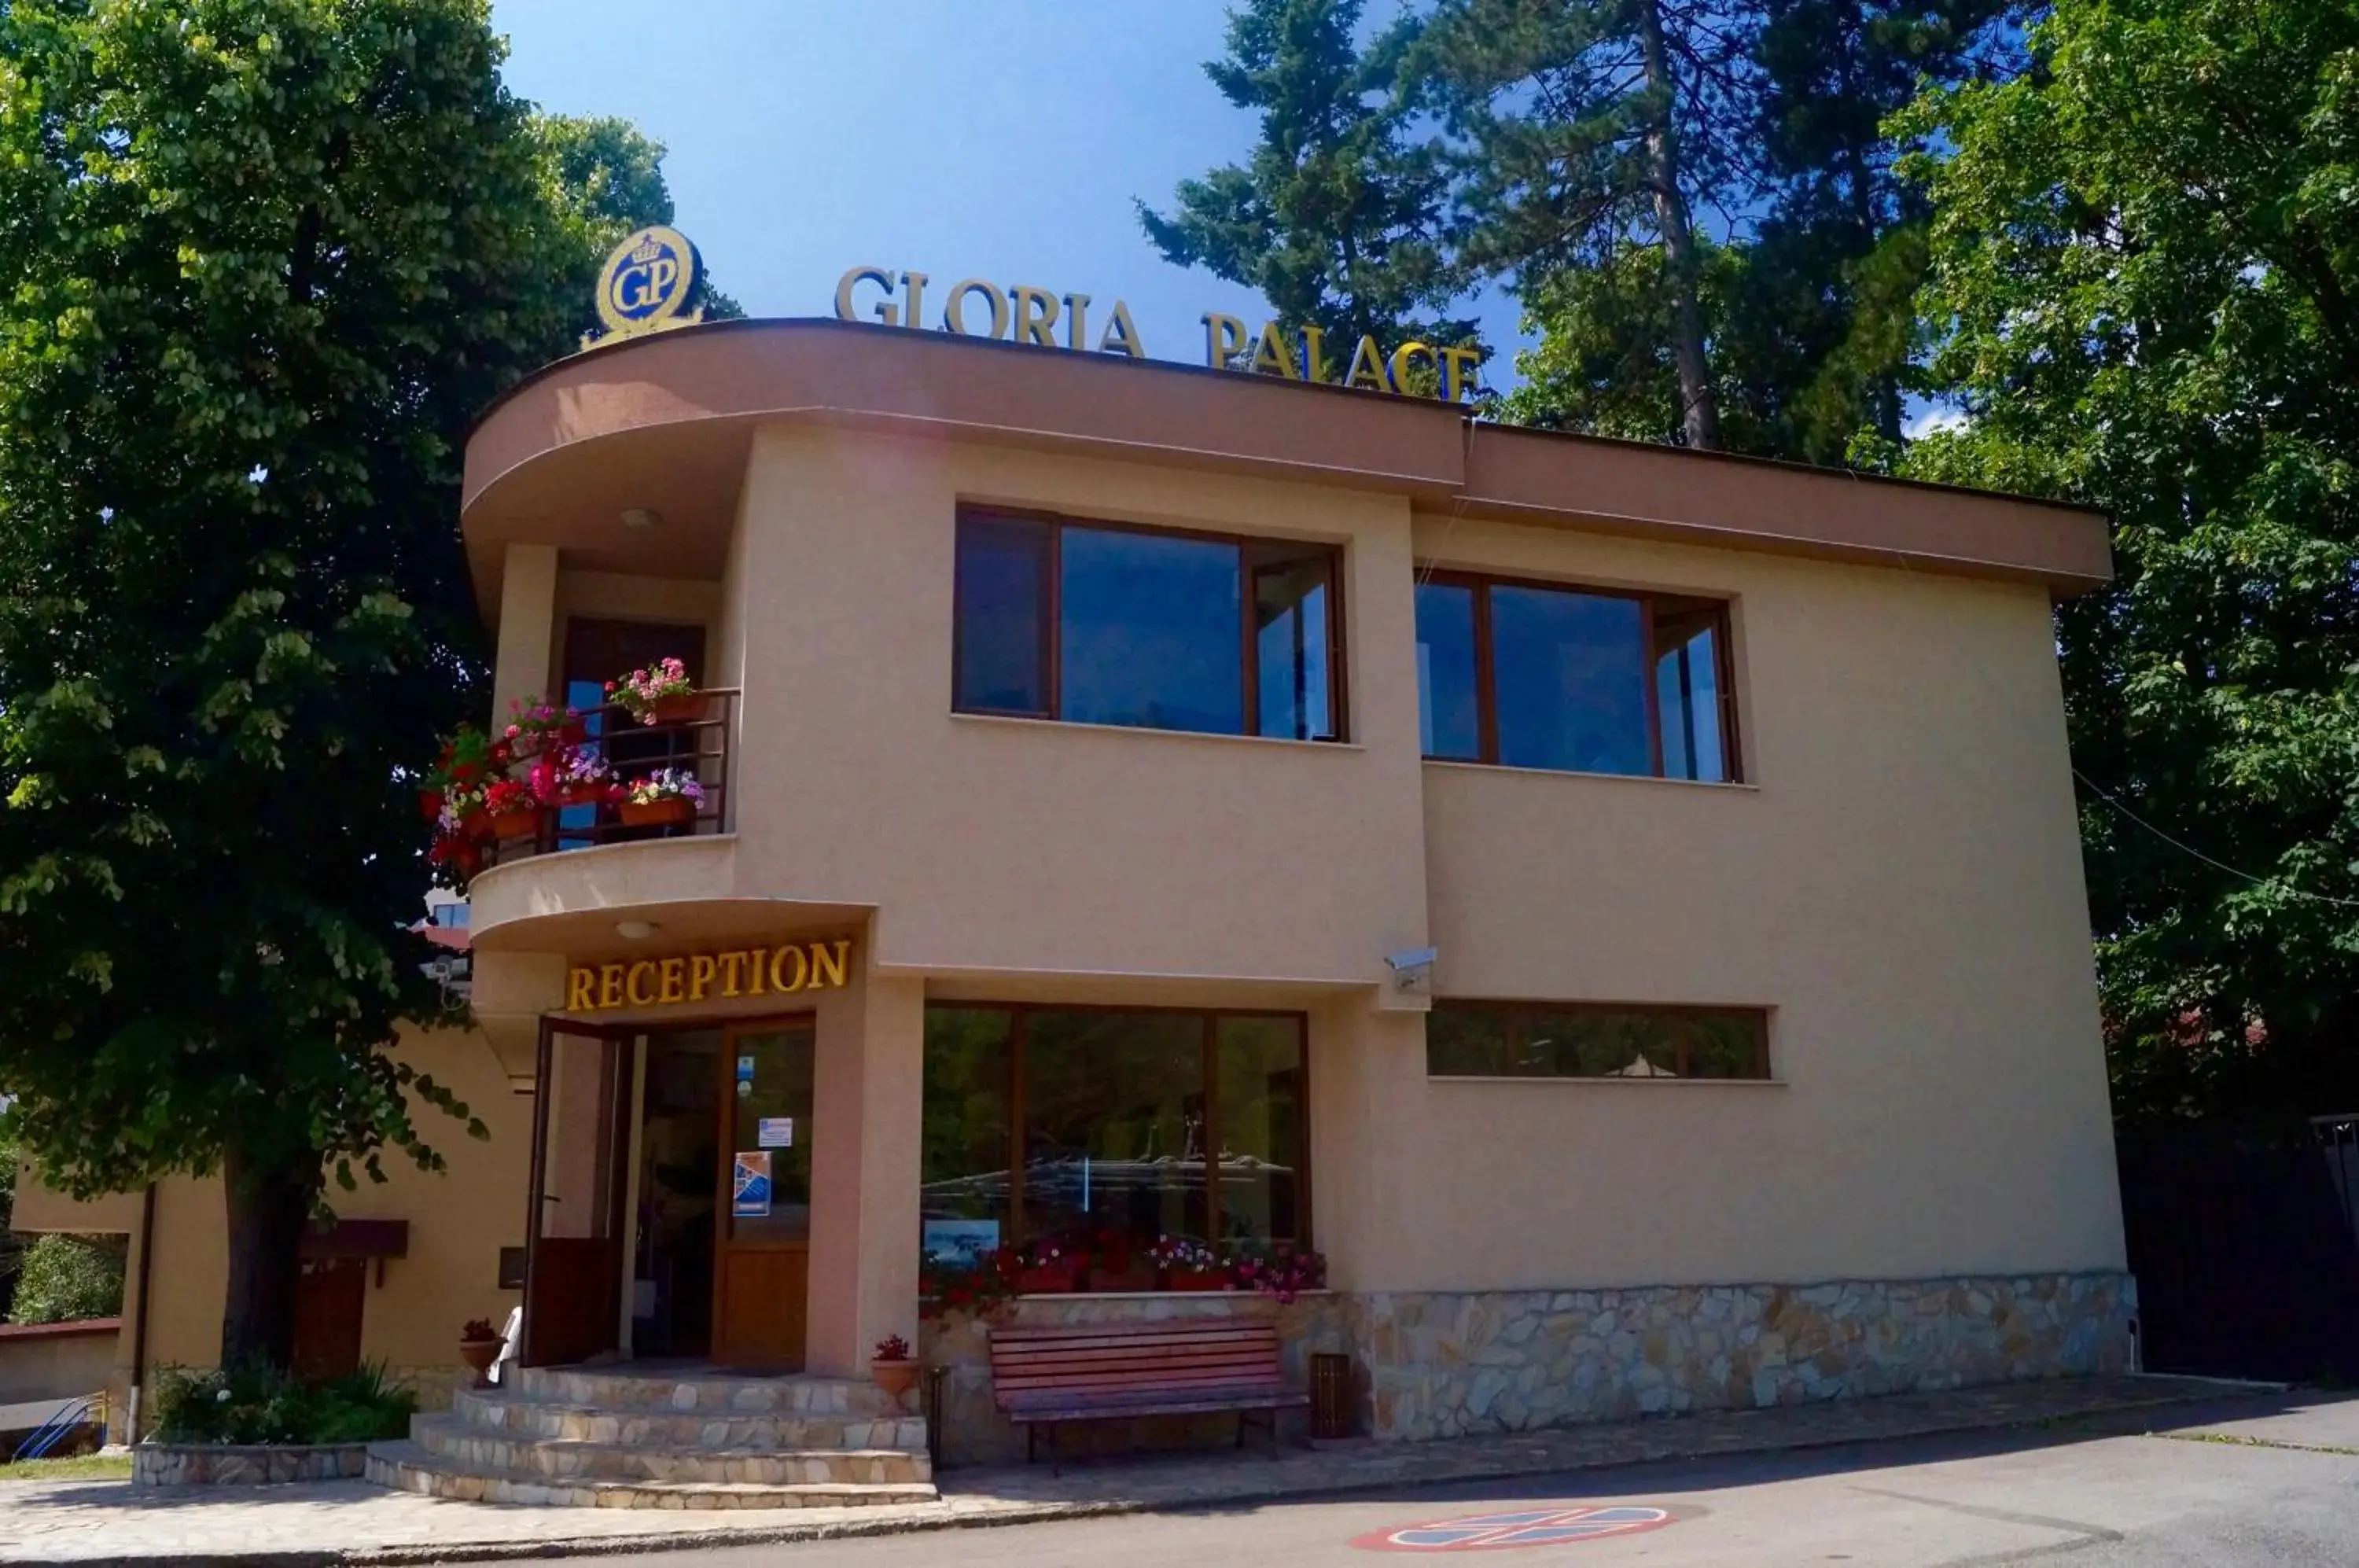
x,y
139,1323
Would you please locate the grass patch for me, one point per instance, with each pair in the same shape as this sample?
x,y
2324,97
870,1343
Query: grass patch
x,y
81,1467
2233,1440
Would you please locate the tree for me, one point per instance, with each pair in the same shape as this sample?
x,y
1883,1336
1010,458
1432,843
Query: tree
x,y
261,264
1337,218
1807,304
2143,263
1585,127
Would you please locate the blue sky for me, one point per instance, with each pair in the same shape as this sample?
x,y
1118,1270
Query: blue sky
x,y
1004,139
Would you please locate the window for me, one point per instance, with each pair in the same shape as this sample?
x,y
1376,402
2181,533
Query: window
x,y
1490,1039
1142,1123
1156,630
1577,681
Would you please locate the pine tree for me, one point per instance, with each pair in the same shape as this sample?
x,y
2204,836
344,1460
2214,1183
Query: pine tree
x,y
1336,219
1582,129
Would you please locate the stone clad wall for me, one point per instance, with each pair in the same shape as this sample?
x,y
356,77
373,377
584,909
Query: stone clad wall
x,y
1443,1365
216,1464
1446,1364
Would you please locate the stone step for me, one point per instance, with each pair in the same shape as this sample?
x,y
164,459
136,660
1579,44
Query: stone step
x,y
407,1468
515,1415
712,1392
562,1459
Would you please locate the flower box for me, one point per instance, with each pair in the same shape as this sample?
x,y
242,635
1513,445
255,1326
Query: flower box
x,y
1196,1279
1135,1277
1050,1279
669,811
683,710
522,824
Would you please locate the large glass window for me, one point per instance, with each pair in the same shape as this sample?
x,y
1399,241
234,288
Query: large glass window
x,y
1074,1124
1481,1039
1532,676
1156,630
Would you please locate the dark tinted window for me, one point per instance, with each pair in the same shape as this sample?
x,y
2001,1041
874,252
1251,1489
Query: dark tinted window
x,y
1469,1040
1003,592
1448,704
1154,630
1572,674
1150,632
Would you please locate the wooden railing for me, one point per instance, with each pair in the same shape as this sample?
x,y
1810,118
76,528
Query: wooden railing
x,y
631,751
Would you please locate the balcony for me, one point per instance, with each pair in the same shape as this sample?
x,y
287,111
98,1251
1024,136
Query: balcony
x,y
622,755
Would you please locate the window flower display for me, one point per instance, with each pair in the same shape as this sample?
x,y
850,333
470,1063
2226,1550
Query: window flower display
x,y
666,797
511,810
660,694
536,727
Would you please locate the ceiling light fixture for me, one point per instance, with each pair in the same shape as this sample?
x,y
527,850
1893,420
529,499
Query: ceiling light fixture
x,y
641,519
636,931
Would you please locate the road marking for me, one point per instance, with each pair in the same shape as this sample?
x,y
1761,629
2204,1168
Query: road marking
x,y
1510,1531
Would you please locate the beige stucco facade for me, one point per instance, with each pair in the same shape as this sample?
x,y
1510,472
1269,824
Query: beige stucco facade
x,y
1897,881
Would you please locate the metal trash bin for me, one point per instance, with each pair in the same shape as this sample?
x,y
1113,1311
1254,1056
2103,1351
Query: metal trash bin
x,y
1331,1395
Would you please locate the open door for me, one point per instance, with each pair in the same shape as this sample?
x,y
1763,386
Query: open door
x,y
573,1235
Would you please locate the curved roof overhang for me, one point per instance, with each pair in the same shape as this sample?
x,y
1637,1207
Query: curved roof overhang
x,y
666,422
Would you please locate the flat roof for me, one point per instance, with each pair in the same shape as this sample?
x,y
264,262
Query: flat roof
x,y
666,421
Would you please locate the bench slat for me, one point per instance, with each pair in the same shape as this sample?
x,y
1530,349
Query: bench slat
x,y
1097,1371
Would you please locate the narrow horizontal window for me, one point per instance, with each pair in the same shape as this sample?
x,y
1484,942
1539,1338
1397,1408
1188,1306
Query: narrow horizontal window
x,y
1497,1039
1150,628
1576,680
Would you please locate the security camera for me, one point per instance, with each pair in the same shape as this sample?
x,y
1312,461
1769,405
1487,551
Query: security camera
x,y
1412,967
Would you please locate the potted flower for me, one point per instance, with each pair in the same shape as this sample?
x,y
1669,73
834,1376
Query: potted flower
x,y
660,694
1114,1267
535,726
510,809
1189,1265
895,1372
479,1346
1284,1273
665,798
571,776
1050,1269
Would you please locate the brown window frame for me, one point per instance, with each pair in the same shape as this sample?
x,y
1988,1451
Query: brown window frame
x,y
1651,605
1519,1014
1018,1015
1052,597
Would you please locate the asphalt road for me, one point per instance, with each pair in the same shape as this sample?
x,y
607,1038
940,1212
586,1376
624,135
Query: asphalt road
x,y
2218,1494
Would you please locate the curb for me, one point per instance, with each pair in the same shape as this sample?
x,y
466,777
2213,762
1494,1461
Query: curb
x,y
991,1517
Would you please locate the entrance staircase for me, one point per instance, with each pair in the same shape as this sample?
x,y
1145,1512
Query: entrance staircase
x,y
682,1438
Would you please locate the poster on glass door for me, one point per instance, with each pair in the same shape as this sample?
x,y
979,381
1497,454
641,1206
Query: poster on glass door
x,y
751,1185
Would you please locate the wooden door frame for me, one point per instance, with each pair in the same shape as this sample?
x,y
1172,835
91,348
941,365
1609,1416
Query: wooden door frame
x,y
724,1197
619,1111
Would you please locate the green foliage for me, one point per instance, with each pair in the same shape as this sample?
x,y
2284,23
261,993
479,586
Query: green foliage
x,y
1337,217
603,178
63,1278
261,264
256,1404
2144,260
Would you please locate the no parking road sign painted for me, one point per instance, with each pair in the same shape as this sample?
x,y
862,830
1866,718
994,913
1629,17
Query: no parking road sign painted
x,y
1523,1528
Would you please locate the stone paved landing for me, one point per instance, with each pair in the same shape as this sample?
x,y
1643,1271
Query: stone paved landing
x,y
83,1522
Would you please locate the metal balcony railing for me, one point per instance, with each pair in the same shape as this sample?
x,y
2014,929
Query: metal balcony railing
x,y
633,751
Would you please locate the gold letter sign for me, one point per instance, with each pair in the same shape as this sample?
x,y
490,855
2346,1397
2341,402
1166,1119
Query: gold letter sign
x,y
741,972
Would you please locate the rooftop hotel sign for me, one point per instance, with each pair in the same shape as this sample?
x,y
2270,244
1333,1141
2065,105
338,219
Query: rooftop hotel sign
x,y
1023,314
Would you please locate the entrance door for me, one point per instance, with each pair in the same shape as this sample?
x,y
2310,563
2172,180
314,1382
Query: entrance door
x,y
762,1266
573,1246
680,1173
328,1299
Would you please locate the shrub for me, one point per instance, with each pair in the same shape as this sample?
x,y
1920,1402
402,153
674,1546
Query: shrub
x,y
62,1278
250,1404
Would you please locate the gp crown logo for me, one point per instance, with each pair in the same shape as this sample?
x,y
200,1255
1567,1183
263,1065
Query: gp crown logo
x,y
646,285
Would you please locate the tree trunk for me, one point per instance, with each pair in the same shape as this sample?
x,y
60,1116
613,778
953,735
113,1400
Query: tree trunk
x,y
269,1204
1699,407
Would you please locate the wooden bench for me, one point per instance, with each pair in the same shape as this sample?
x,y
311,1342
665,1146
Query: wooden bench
x,y
1046,1375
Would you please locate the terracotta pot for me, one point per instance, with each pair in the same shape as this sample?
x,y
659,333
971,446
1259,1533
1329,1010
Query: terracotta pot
x,y
894,1379
671,809
1196,1279
479,1355
1061,1278
676,710
517,824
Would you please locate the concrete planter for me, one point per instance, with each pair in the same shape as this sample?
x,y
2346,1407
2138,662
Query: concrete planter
x,y
258,1465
